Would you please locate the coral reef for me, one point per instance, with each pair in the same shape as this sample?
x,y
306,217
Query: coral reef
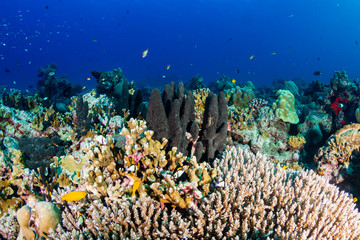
x,y
257,200
96,169
56,91
172,116
334,159
124,94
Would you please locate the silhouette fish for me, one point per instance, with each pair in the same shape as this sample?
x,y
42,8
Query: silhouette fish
x,y
317,73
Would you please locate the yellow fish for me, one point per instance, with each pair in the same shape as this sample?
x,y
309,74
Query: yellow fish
x,y
355,200
251,57
74,196
88,79
168,67
233,81
84,87
135,187
284,167
273,53
145,53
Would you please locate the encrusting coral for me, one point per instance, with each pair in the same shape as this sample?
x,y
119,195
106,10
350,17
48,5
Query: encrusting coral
x,y
253,199
334,159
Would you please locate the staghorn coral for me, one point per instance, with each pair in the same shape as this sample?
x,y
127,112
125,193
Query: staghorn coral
x,y
257,201
334,158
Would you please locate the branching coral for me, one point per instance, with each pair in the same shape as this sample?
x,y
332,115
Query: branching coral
x,y
257,200
146,167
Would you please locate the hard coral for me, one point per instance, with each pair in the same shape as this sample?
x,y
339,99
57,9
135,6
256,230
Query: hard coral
x,y
284,107
334,158
296,142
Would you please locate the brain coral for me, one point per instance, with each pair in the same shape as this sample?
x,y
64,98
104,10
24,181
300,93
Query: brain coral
x,y
284,107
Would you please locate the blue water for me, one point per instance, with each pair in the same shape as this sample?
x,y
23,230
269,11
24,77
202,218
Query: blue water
x,y
208,37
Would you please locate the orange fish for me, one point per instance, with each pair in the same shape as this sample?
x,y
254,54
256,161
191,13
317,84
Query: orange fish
x,y
145,53
168,67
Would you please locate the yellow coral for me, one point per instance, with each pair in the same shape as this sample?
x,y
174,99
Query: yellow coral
x,y
296,142
200,96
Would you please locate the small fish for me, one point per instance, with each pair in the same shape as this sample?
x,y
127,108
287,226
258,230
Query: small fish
x,y
195,46
14,82
229,39
273,53
84,87
251,57
46,6
220,184
74,196
94,40
233,81
356,42
6,70
291,15
135,187
284,167
88,79
145,53
132,168
168,67
131,91
317,73
179,173
355,200
318,59
237,70
285,82
51,74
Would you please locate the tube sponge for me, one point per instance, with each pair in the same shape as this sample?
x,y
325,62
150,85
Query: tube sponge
x,y
284,107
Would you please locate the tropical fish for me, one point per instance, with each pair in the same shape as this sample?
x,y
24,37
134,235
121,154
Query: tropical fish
x,y
355,200
168,67
251,57
284,167
135,187
131,91
179,173
74,196
233,81
220,184
88,79
132,168
317,73
145,53
84,87
273,53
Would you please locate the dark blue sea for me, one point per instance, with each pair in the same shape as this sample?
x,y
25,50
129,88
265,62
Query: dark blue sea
x,y
241,39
